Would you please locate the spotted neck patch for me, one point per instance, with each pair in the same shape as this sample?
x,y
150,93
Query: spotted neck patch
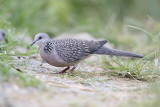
x,y
48,47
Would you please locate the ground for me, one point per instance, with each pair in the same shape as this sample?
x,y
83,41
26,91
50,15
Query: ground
x,y
89,87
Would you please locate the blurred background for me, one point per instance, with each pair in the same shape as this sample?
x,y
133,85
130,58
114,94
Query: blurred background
x,y
101,18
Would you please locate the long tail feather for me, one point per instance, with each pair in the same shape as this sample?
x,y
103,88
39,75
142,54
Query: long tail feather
x,y
115,52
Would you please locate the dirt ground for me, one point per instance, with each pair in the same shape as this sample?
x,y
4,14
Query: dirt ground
x,y
87,88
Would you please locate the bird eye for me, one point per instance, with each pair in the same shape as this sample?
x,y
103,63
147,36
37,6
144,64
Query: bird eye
x,y
40,38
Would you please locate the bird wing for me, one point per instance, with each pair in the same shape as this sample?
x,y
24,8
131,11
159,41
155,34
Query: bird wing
x,y
71,50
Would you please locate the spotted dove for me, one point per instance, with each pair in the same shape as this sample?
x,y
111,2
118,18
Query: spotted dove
x,y
69,52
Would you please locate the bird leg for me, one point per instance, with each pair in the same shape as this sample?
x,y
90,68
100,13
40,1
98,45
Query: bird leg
x,y
43,61
71,71
63,71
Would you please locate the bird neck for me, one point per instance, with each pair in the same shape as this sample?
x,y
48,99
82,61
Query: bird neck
x,y
42,43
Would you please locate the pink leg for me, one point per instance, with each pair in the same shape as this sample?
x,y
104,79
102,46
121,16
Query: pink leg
x,y
63,71
71,71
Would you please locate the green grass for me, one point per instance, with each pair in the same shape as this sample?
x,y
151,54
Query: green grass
x,y
8,71
8,74
141,69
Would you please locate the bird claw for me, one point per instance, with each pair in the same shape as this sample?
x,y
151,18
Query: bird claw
x,y
63,71
71,72
60,72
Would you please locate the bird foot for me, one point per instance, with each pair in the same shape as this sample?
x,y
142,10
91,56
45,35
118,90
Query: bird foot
x,y
63,71
71,71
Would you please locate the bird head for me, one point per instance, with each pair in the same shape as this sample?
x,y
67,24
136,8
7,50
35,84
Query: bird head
x,y
3,36
40,38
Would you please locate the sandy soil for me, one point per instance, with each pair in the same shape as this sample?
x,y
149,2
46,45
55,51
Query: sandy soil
x,y
87,88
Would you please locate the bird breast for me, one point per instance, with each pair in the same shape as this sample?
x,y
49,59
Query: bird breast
x,y
53,59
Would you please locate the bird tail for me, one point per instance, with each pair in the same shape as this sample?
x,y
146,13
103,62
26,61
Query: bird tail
x,y
115,52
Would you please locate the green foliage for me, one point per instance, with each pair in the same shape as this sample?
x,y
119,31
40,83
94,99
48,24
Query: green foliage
x,y
8,74
8,52
94,16
141,70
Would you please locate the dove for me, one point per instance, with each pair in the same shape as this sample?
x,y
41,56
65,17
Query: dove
x,y
69,52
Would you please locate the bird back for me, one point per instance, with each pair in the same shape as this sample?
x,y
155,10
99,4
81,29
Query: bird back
x,y
71,50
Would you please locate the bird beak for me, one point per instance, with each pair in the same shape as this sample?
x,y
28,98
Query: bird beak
x,y
33,42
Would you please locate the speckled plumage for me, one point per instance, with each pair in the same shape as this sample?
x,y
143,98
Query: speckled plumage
x,y
48,47
71,50
68,52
